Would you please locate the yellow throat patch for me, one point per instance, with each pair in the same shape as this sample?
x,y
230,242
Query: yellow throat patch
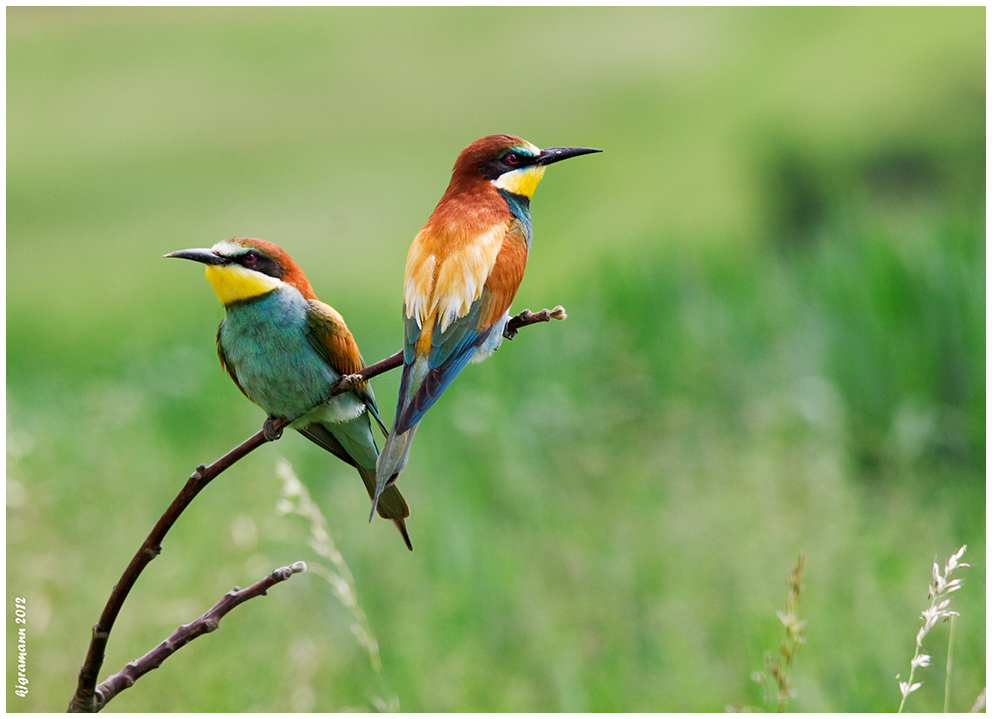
x,y
234,283
521,182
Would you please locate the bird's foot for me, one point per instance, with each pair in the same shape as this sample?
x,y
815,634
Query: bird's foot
x,y
270,430
346,383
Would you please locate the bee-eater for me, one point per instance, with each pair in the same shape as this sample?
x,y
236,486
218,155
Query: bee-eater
x,y
285,349
462,272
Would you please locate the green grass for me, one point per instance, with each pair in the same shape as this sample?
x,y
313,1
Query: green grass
x,y
774,276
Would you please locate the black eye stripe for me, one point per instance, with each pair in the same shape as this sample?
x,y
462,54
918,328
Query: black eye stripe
x,y
507,162
260,263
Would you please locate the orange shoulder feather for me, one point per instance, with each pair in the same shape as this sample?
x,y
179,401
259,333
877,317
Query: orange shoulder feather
x,y
505,277
332,339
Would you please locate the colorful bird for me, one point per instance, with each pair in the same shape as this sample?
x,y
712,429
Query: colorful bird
x,y
284,349
462,272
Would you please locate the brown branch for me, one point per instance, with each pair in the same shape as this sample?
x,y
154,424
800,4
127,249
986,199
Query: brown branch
x,y
348,381
84,700
529,318
137,668
513,325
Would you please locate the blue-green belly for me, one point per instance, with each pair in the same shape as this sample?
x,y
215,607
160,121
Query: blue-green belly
x,y
265,341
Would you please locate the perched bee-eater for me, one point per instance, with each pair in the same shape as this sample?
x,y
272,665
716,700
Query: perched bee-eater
x,y
462,272
284,349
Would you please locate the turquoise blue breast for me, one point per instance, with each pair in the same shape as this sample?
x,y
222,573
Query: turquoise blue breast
x,y
265,342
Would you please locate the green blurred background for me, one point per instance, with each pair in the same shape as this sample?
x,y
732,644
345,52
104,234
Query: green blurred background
x,y
775,283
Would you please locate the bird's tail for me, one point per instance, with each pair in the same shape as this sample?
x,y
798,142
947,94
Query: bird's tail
x,y
391,462
361,454
390,504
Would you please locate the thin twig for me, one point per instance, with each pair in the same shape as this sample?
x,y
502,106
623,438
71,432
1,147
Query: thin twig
x,y
137,668
513,325
348,382
84,700
529,318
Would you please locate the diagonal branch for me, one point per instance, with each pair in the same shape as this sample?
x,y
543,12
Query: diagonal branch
x,y
137,668
85,698
348,381
513,325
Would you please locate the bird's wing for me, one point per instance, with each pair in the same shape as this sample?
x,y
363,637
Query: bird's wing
x,y
448,345
329,335
445,275
226,365
332,340
320,435
504,279
391,504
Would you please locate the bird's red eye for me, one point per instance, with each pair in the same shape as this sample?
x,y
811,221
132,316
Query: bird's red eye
x,y
512,159
250,257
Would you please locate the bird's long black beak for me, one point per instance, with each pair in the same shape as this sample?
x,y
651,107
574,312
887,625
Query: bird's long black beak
x,y
554,154
207,257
